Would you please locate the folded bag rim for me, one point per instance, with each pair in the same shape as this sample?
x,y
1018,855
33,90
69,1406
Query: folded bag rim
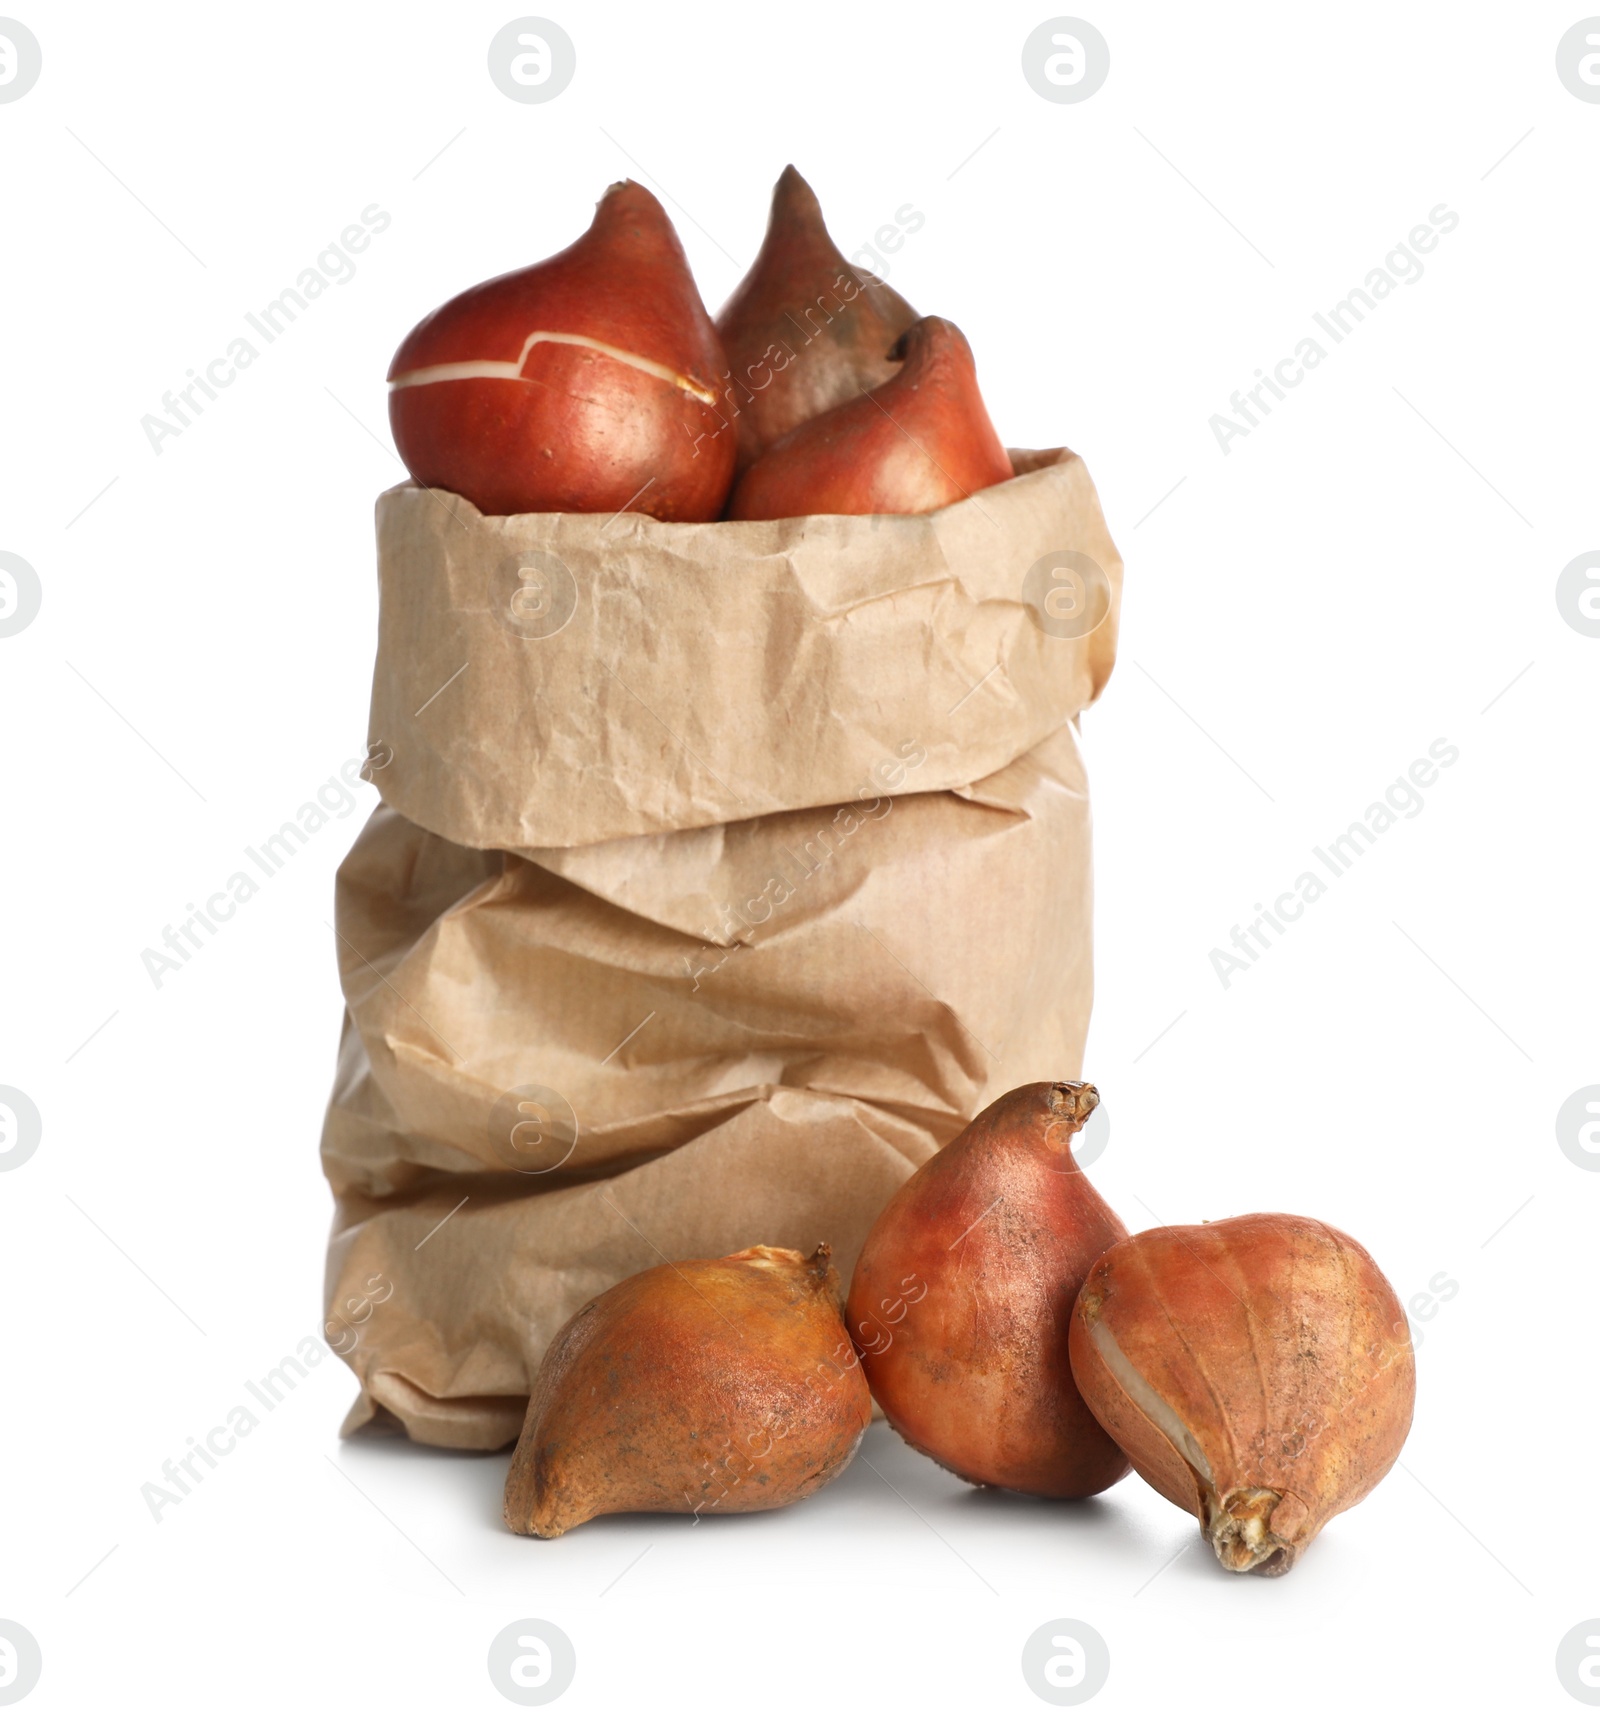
x,y
559,680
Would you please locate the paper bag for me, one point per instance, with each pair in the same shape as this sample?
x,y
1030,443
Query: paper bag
x,y
723,873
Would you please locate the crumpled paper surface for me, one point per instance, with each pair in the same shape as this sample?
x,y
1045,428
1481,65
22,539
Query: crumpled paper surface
x,y
737,868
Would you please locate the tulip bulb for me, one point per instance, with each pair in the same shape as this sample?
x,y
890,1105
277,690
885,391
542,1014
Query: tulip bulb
x,y
962,1297
804,330
1257,1372
700,1388
916,443
588,382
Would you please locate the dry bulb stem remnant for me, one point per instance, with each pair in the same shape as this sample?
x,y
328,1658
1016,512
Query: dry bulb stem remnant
x,y
1257,1372
962,1299
705,1387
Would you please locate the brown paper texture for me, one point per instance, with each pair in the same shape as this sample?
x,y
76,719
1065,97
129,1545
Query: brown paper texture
x,y
740,866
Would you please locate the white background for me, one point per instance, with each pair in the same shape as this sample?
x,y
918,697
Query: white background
x,y
1371,569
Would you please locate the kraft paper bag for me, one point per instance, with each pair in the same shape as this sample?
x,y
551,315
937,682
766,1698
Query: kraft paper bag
x,y
723,873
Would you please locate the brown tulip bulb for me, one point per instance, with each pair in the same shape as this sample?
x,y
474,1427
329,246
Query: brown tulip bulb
x,y
918,442
589,382
805,329
1257,1372
700,1388
962,1297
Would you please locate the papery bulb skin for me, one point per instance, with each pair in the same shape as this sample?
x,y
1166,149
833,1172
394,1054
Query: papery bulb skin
x,y
962,1297
1258,1372
586,383
919,442
706,1387
805,329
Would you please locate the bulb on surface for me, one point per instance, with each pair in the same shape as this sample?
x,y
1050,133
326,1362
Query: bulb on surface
x,y
962,1299
706,1387
1258,1372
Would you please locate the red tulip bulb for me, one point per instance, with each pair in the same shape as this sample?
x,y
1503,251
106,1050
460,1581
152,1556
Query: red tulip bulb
x,y
805,330
961,1300
918,442
586,383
